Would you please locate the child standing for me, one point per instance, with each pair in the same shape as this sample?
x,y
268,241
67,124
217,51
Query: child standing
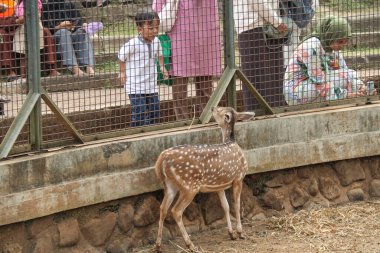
x,y
138,70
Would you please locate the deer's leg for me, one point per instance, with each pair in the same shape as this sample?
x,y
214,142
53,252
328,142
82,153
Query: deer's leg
x,y
236,189
183,201
226,208
170,193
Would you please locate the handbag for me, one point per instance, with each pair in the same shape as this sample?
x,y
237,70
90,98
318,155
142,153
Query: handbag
x,y
168,15
167,54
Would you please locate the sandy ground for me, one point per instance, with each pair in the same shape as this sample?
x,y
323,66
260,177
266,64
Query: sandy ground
x,y
348,228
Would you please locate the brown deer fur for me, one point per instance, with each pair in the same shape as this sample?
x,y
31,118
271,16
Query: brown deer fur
x,y
190,169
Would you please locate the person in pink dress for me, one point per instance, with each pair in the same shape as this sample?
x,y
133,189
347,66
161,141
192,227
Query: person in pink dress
x,y
196,51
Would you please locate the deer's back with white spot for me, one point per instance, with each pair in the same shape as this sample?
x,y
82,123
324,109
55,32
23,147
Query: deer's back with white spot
x,y
205,168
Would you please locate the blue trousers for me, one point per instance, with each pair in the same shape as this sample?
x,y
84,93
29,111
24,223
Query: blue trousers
x,y
145,109
74,48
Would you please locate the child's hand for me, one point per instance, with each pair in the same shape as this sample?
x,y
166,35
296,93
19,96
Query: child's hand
x,y
123,79
362,91
334,64
20,20
166,75
323,89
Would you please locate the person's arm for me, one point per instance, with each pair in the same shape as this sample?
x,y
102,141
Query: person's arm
x,y
311,52
51,18
265,10
74,14
310,59
123,75
161,60
162,67
124,56
9,23
157,5
357,87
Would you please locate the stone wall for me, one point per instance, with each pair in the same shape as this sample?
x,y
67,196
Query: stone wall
x,y
119,226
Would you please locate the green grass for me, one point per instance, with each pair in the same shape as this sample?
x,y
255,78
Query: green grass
x,y
127,27
361,51
107,67
352,5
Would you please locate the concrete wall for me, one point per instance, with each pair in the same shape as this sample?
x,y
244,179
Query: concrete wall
x,y
42,184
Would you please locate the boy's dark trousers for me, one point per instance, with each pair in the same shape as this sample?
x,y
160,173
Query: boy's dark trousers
x,y
145,109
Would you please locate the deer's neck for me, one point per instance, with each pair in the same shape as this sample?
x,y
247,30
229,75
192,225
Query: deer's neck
x,y
228,135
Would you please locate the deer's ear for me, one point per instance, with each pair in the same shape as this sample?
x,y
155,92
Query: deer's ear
x,y
228,117
244,116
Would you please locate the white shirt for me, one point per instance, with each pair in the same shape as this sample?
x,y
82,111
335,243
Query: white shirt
x,y
141,69
249,14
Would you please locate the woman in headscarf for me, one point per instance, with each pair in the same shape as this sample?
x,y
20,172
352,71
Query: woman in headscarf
x,y
317,70
74,45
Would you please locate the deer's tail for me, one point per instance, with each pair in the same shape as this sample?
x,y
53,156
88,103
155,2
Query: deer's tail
x,y
159,167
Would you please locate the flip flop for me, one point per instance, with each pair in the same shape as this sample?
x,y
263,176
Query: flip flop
x,y
12,78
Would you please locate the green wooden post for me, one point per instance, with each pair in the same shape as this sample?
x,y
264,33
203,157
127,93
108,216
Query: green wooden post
x,y
229,49
34,70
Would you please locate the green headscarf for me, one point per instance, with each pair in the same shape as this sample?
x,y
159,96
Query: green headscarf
x,y
331,29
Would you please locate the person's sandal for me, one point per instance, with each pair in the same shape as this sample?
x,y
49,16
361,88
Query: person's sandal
x,y
12,78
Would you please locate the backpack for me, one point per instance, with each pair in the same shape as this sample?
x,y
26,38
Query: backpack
x,y
300,11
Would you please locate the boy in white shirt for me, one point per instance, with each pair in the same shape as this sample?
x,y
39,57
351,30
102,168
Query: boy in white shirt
x,y
138,71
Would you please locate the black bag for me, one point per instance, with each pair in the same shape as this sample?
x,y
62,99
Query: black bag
x,y
300,11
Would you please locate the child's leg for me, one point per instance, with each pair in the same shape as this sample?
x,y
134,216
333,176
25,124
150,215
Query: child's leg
x,y
153,108
138,109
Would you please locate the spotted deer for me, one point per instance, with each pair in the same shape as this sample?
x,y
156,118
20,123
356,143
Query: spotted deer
x,y
190,169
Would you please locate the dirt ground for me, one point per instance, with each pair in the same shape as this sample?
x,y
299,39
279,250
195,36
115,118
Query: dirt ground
x,y
347,228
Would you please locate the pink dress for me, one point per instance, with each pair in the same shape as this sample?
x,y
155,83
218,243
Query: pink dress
x,y
195,38
20,8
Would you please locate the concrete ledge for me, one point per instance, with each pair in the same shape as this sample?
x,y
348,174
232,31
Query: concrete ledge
x,y
39,185
74,194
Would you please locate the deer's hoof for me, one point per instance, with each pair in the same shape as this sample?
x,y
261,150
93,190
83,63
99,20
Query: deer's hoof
x,y
158,248
232,236
241,236
194,249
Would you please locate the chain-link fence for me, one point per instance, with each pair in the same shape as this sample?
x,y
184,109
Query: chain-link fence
x,y
85,70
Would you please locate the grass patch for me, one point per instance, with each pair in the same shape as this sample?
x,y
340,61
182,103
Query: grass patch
x,y
361,51
352,5
108,67
127,27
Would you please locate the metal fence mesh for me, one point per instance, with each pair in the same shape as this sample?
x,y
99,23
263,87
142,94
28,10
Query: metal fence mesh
x,y
80,62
